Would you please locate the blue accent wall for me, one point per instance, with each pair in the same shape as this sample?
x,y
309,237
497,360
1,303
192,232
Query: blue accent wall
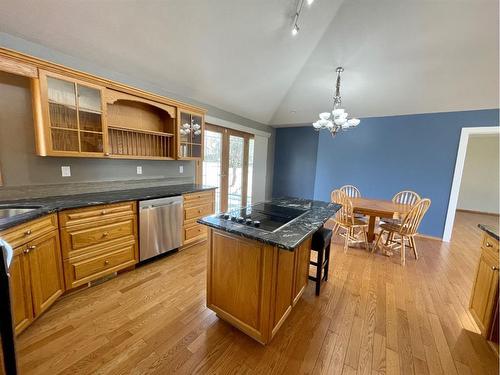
x,y
384,155
296,150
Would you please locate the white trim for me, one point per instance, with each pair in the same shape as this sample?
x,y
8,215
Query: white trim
x,y
235,126
457,175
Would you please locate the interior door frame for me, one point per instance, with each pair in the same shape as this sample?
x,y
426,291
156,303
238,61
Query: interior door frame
x,y
457,175
224,171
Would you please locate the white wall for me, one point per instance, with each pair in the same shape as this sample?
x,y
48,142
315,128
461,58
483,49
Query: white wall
x,y
479,190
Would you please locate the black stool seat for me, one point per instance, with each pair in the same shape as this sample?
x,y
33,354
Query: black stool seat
x,y
321,238
321,243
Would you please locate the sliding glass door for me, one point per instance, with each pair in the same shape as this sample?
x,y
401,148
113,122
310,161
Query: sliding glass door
x,y
228,165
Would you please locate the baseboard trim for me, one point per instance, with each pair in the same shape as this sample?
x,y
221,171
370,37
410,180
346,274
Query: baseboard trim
x,y
477,212
427,237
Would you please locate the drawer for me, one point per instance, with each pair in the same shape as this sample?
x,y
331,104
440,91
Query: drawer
x,y
194,231
90,214
84,238
489,243
26,232
117,258
198,211
195,199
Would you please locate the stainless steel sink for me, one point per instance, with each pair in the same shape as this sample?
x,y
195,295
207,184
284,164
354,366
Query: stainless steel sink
x,y
10,210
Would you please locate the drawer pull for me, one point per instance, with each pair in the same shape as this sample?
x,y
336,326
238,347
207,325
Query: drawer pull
x,y
32,247
106,262
105,234
199,211
488,244
28,232
26,251
103,212
494,268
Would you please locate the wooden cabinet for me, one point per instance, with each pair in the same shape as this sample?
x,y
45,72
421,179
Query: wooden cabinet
x,y
252,285
20,287
46,272
140,128
36,270
190,130
98,241
302,258
196,205
484,298
69,116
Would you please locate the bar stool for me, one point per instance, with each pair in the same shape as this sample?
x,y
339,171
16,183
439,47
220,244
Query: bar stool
x,y
321,243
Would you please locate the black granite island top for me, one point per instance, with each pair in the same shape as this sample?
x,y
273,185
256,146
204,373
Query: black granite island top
x,y
492,231
288,236
58,203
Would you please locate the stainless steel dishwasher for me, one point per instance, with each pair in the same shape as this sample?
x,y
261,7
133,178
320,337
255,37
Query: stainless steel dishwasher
x,y
160,226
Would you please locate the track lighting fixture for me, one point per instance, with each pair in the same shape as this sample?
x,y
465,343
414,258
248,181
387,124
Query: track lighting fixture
x,y
300,4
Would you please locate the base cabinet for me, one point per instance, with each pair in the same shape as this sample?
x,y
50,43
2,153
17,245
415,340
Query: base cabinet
x,y
20,288
46,271
36,278
252,285
484,297
196,206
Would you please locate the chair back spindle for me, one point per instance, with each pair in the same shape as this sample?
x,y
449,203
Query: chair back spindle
x,y
345,214
406,197
414,217
351,191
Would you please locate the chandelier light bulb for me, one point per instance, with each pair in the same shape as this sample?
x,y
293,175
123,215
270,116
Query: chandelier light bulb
x,y
295,30
309,2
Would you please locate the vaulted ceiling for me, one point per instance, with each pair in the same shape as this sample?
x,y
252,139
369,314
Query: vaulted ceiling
x,y
400,56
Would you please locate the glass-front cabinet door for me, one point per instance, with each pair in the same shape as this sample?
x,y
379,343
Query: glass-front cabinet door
x,y
73,118
190,135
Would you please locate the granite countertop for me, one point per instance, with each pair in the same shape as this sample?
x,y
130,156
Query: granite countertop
x,y
492,231
290,235
58,203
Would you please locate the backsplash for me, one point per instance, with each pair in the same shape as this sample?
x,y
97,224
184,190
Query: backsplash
x,y
52,190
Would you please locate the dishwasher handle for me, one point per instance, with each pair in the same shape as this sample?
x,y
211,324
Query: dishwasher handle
x,y
161,202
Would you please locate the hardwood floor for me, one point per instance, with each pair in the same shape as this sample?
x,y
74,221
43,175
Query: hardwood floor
x,y
373,317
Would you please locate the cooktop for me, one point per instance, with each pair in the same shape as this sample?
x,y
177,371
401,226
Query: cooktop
x,y
265,216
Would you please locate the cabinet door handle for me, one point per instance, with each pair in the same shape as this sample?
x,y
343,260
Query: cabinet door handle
x,y
105,234
28,232
103,212
106,262
32,247
488,244
494,268
26,251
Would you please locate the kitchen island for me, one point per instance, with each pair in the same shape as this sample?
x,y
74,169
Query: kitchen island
x,y
258,262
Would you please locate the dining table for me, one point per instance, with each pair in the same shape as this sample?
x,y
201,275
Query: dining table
x,y
380,208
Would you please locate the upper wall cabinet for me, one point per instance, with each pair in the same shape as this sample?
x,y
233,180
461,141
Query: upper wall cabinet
x,y
191,127
69,117
139,128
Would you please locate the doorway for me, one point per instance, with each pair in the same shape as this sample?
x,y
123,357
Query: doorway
x,y
465,135
228,165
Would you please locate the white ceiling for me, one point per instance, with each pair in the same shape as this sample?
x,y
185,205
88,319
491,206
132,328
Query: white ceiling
x,y
400,56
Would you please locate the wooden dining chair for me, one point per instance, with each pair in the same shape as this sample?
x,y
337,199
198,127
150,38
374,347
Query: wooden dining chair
x,y
406,197
403,197
406,230
351,191
345,219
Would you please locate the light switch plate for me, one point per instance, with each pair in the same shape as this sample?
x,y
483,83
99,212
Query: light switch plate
x,y
139,169
181,169
66,171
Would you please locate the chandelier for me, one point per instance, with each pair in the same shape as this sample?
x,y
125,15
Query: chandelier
x,y
337,120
